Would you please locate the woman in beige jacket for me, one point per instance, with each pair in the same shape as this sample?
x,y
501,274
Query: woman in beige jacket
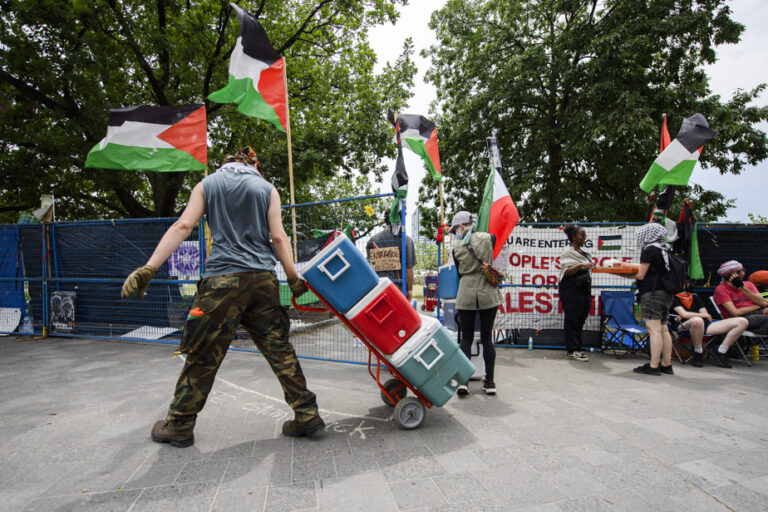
x,y
470,249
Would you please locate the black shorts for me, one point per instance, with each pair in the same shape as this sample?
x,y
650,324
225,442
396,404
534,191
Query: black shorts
x,y
655,305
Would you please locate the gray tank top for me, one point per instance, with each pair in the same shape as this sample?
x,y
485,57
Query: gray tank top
x,y
236,203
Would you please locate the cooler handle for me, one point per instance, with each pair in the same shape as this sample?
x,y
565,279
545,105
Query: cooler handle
x,y
337,253
382,299
426,365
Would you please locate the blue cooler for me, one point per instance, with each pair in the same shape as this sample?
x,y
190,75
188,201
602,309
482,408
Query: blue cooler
x,y
447,281
432,363
449,313
340,274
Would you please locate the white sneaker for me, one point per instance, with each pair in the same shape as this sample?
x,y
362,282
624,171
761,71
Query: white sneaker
x,y
462,390
578,356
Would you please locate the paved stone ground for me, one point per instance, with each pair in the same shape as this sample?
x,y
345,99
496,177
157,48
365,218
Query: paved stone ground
x,y
561,435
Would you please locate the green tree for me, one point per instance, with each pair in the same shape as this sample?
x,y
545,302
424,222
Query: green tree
x,y
361,215
575,90
63,63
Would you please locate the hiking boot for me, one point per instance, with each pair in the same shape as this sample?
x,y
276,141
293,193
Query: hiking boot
x,y
179,439
462,390
666,369
698,360
721,359
293,428
646,369
489,387
577,356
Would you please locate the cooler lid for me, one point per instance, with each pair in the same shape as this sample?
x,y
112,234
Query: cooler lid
x,y
384,282
317,258
429,326
446,266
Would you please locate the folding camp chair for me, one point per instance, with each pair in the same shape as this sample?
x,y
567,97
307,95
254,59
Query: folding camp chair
x,y
748,338
620,330
681,339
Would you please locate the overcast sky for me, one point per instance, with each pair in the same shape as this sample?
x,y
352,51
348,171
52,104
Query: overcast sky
x,y
739,66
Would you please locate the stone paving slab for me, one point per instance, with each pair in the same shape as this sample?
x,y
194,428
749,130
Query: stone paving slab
x,y
561,436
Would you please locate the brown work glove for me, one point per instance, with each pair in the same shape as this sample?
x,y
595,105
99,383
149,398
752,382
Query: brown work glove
x,y
138,282
298,286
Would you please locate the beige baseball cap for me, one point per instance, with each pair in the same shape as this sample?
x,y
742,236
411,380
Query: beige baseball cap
x,y
459,219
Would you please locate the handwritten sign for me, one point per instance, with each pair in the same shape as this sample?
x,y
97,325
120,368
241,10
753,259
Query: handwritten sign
x,y
385,258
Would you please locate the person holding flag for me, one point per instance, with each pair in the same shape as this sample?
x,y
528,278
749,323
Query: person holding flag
x,y
239,287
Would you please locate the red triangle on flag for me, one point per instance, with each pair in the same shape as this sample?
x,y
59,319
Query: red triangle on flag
x,y
189,135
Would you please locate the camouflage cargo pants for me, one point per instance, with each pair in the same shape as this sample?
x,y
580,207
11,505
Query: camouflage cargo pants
x,y
223,303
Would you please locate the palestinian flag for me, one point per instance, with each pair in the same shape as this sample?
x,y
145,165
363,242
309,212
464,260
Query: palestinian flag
x,y
675,164
148,138
667,194
498,214
256,75
420,136
609,243
400,176
665,138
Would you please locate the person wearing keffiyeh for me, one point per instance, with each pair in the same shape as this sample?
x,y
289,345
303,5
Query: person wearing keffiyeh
x,y
736,297
654,300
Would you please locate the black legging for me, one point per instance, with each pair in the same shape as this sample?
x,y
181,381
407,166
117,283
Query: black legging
x,y
576,298
467,326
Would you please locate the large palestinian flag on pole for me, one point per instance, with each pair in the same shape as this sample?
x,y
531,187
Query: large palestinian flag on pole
x,y
256,75
420,135
158,139
498,214
400,176
675,164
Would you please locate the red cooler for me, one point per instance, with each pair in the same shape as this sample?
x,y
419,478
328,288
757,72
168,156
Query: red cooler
x,y
385,317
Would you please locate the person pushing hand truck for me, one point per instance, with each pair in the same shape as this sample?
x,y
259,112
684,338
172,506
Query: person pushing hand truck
x,y
239,287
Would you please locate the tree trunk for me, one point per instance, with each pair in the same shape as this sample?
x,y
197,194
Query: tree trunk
x,y
165,190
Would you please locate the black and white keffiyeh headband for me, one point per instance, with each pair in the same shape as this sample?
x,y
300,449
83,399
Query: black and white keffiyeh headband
x,y
652,233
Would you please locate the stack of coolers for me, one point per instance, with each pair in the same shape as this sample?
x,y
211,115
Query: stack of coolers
x,y
417,346
448,289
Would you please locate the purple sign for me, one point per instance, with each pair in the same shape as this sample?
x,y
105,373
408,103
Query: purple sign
x,y
185,261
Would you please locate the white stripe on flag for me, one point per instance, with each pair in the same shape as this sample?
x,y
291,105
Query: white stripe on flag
x,y
411,133
674,154
244,66
499,188
134,133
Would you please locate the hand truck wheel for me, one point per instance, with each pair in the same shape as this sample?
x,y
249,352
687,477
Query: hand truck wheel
x,y
409,412
396,389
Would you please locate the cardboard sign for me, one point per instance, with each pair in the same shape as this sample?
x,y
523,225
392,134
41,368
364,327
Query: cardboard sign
x,y
385,258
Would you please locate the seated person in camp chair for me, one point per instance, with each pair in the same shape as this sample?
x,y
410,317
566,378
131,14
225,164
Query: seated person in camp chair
x,y
692,316
738,298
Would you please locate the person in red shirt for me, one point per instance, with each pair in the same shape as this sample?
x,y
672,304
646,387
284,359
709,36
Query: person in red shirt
x,y
736,297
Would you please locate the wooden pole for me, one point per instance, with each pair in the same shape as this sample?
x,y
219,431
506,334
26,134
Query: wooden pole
x,y
290,161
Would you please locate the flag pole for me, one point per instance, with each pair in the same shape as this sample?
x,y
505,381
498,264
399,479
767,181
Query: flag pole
x,y
290,159
442,222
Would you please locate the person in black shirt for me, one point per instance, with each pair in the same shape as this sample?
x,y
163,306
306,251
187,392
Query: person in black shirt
x,y
654,300
694,318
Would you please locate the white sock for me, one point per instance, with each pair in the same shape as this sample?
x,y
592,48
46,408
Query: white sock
x,y
698,350
722,349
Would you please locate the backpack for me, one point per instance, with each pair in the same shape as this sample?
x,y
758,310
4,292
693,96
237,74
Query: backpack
x,y
677,273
